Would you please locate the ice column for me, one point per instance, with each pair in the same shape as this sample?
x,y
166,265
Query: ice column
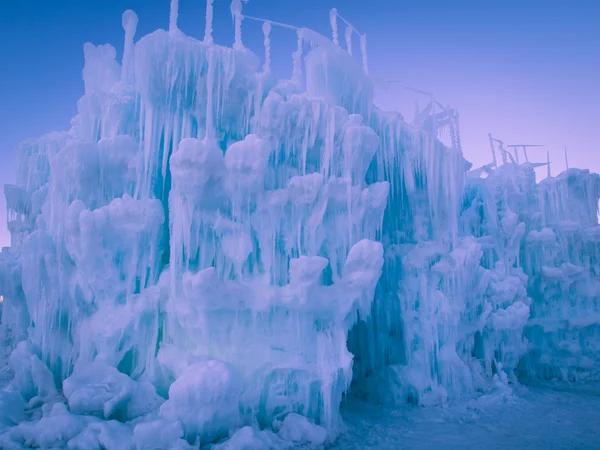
x,y
297,70
266,28
210,84
348,37
209,20
334,28
236,13
173,15
363,49
129,21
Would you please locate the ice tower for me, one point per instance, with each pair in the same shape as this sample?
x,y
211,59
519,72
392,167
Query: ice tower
x,y
210,253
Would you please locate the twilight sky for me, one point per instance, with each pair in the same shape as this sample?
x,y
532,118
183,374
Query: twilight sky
x,y
528,71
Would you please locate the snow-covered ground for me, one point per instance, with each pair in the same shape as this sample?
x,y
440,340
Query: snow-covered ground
x,y
540,416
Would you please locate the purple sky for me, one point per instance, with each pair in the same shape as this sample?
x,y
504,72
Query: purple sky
x,y
526,71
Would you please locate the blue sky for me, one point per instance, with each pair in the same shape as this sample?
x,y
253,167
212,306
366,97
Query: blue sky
x,y
525,70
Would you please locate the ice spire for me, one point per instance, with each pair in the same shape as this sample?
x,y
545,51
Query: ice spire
x,y
173,15
566,159
209,20
348,37
266,28
236,13
363,49
297,69
129,21
334,27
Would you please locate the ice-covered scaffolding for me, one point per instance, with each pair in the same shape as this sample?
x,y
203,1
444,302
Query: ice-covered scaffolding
x,y
334,15
210,253
435,118
510,158
524,147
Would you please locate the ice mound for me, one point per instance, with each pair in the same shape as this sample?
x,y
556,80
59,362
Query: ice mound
x,y
211,257
204,399
100,390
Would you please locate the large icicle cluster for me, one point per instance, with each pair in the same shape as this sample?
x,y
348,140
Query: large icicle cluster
x,y
208,250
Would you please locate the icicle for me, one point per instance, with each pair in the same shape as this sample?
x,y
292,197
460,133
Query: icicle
x,y
494,161
210,84
566,159
236,13
348,37
208,38
334,27
363,49
456,132
266,28
502,152
548,156
297,70
129,21
173,15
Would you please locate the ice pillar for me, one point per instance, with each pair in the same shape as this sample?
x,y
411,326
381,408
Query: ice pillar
x,y
297,70
348,36
363,49
266,28
334,27
209,20
236,13
129,21
173,15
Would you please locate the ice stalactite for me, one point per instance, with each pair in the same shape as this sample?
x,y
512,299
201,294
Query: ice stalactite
x,y
363,50
334,26
348,36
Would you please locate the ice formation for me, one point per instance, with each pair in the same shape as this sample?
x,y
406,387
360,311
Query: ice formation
x,y
211,254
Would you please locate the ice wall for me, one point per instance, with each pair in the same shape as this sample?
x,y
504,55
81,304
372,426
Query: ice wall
x,y
561,256
195,249
209,249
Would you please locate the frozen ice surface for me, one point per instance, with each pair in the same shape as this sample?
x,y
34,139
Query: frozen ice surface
x,y
550,416
211,257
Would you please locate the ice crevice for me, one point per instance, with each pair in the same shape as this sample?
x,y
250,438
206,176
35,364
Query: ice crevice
x,y
212,257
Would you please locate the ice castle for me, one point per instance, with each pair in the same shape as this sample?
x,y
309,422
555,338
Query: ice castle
x,y
210,256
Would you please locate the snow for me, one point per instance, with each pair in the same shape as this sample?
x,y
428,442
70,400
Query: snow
x,y
211,257
297,429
